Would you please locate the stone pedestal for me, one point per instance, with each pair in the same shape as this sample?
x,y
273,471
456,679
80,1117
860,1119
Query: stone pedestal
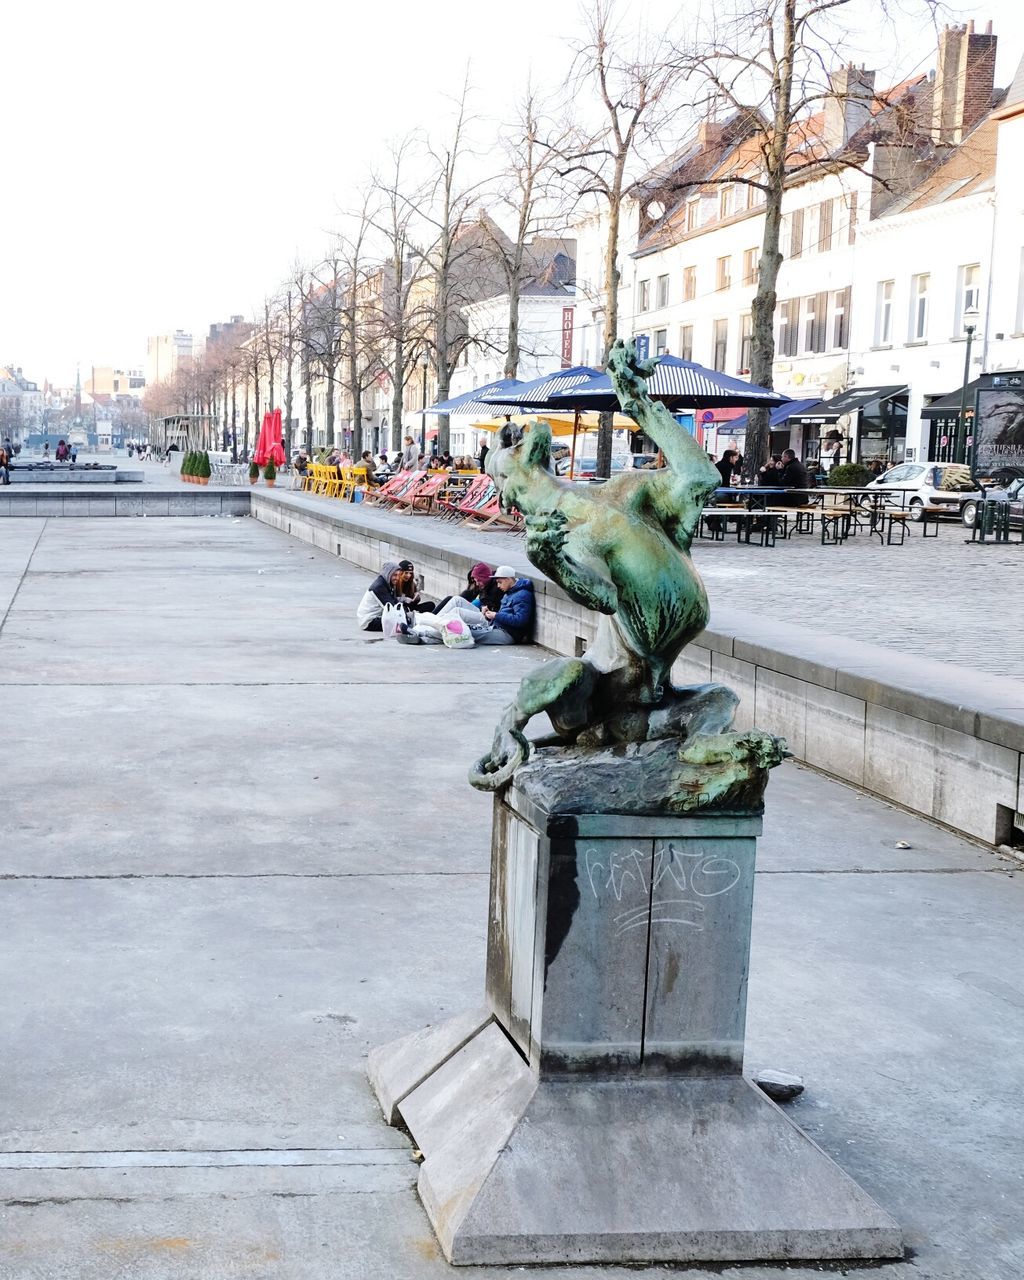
x,y
594,1109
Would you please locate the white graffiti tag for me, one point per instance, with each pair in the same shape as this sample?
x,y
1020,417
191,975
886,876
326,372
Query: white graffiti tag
x,y
679,880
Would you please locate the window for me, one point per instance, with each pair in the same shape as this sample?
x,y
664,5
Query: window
x,y
660,341
750,264
692,215
689,283
721,344
723,273
686,342
789,321
851,234
815,322
726,199
1020,295
841,319
746,341
644,300
662,291
796,233
883,313
824,226
968,294
755,195
919,307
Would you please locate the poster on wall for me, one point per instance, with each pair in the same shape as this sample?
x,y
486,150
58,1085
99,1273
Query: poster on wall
x,y
999,421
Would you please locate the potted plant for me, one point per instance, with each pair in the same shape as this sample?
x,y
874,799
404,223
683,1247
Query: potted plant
x,y
190,466
254,473
849,475
183,469
270,473
204,470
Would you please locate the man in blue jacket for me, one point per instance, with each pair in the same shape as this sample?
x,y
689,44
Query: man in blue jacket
x,y
512,623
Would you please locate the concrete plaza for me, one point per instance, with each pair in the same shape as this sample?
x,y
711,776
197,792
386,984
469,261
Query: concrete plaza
x,y
239,851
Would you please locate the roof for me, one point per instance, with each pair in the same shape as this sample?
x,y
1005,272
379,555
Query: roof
x,y
967,169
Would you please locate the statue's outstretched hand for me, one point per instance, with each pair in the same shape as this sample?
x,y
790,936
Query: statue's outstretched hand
x,y
546,533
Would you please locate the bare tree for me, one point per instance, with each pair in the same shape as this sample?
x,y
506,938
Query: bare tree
x,y
633,79
399,331
767,61
359,328
460,260
322,327
531,191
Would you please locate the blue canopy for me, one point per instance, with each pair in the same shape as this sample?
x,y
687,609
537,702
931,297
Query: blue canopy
x,y
777,416
542,393
678,384
469,402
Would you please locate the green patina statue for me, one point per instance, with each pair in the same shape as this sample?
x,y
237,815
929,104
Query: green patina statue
x,y
623,549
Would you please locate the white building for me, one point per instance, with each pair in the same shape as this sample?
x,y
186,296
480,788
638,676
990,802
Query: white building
x,y
164,353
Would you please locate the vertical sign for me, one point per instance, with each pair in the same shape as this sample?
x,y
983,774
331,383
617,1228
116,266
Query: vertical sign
x,y
643,345
567,321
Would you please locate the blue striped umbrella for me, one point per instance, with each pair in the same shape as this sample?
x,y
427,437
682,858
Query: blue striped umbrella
x,y
678,384
542,393
470,402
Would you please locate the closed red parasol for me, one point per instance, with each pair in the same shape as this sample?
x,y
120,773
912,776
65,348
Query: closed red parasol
x,y
269,443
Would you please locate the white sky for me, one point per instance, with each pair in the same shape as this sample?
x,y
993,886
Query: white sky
x,y
165,164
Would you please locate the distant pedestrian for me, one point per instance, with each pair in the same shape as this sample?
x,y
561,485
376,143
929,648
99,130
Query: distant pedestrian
x,y
482,457
410,455
74,453
46,451
5,464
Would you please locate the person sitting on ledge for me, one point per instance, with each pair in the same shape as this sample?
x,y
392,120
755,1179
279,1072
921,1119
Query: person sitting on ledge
x,y
510,623
386,588
63,452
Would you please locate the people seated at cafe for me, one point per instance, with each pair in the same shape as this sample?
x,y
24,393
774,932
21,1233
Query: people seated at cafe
x,y
792,476
770,474
366,460
727,466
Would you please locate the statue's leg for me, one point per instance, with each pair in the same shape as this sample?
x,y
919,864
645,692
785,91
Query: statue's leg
x,y
562,688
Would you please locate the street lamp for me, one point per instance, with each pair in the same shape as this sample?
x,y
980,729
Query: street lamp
x,y
970,327
423,410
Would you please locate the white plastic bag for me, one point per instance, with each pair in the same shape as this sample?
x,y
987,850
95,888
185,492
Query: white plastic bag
x,y
456,634
393,615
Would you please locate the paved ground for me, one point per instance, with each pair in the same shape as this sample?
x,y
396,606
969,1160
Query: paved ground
x,y
239,851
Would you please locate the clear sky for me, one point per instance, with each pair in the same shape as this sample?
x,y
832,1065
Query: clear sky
x,y
164,165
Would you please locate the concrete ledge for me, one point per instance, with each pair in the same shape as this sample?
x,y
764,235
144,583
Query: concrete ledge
x,y
138,502
943,741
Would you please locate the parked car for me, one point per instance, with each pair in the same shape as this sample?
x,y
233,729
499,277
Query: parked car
x,y
939,487
1013,493
586,468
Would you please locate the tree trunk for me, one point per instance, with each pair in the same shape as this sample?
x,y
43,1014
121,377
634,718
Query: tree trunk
x,y
289,391
234,421
512,354
611,311
397,392
307,384
757,444
330,408
245,443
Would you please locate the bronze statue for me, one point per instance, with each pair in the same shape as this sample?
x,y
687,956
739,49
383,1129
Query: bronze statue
x,y
622,548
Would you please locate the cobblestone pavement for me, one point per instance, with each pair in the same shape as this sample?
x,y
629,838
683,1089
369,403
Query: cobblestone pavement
x,y
941,598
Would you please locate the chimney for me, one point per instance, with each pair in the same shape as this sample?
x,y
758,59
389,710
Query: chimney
x,y
848,107
710,133
964,80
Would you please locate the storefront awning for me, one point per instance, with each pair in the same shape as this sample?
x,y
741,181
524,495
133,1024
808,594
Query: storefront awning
x,y
778,418
948,406
852,401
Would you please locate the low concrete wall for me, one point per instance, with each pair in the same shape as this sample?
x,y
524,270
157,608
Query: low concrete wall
x,y
190,501
941,741
75,475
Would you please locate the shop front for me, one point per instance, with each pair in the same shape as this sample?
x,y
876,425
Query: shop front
x,y
867,424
